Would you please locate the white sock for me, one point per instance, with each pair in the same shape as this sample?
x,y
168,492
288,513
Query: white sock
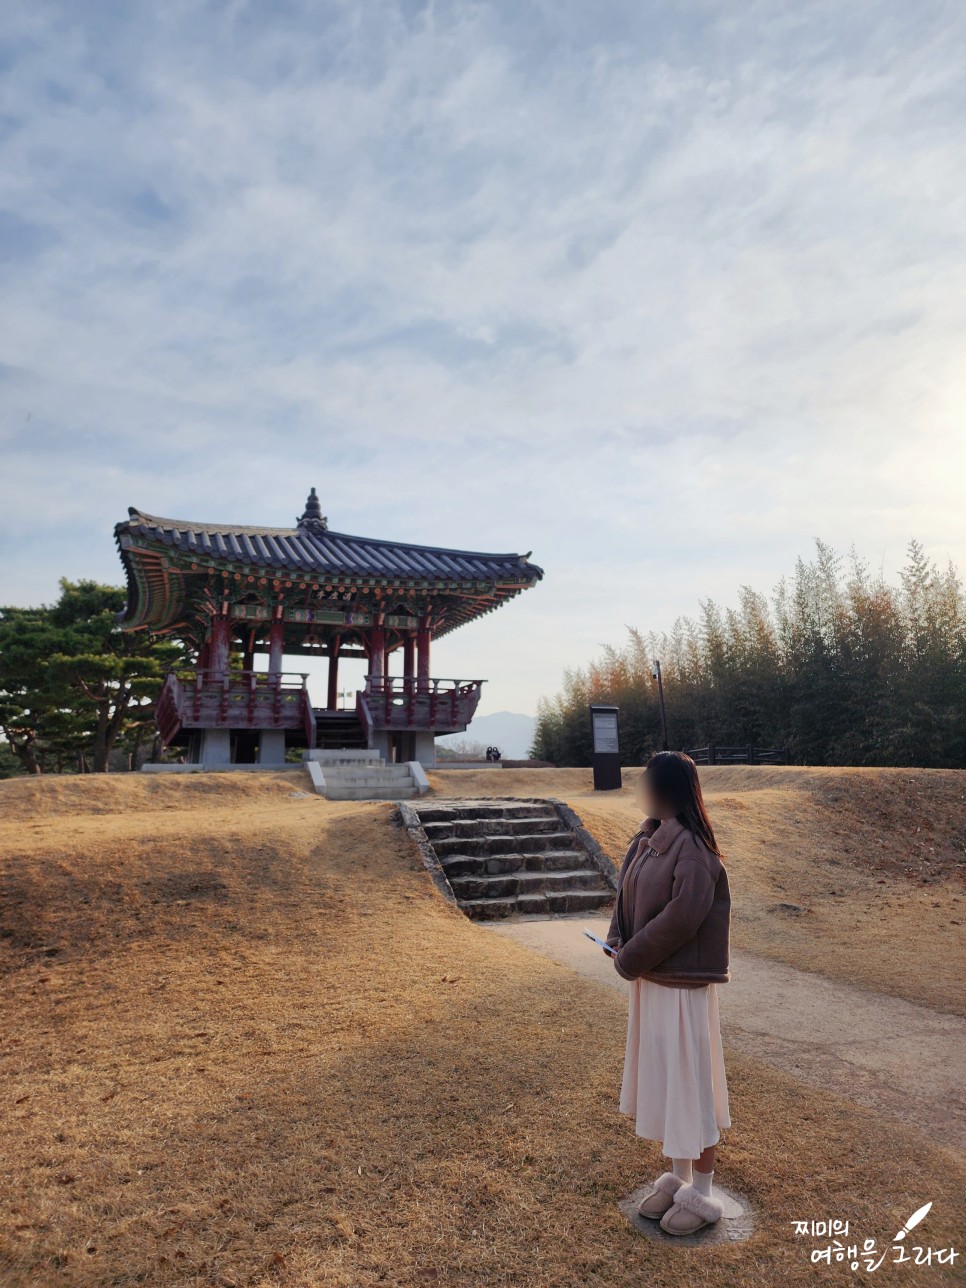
x,y
681,1167
702,1182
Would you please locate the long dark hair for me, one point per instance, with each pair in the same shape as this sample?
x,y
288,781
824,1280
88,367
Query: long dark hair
x,y
673,778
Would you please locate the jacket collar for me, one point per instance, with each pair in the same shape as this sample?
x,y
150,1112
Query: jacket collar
x,y
661,833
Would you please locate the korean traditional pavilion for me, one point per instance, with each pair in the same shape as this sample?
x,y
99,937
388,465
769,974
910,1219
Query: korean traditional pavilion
x,y
232,592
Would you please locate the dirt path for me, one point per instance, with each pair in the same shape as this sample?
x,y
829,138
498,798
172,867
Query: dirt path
x,y
872,862
903,1060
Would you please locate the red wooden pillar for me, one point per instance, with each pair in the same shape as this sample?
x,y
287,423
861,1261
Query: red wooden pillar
x,y
219,644
276,645
332,697
409,645
248,657
422,658
377,652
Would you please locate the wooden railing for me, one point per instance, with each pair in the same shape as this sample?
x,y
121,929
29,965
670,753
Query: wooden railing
x,y
207,699
167,712
715,755
406,702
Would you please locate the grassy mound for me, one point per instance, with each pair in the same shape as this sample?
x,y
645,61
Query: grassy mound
x,y
247,1043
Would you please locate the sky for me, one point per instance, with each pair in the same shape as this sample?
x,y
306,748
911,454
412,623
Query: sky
x,y
659,292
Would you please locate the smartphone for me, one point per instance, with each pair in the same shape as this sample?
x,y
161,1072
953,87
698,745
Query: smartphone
x,y
611,952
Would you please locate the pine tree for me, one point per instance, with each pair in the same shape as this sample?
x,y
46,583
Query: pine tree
x,y
72,682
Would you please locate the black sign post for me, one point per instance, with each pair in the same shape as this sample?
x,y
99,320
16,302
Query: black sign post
x,y
606,759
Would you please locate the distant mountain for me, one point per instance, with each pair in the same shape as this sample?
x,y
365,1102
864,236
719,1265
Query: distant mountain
x,y
511,732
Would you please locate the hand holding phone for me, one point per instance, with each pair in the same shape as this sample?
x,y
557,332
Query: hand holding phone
x,y
611,952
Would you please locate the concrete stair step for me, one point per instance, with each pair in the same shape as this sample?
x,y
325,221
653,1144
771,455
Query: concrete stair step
x,y
372,789
349,766
455,865
366,773
339,792
345,761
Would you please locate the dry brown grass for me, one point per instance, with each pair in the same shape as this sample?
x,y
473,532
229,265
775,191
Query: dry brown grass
x,y
247,1043
876,856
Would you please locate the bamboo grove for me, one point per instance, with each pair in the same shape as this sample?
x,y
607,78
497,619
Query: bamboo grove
x,y
838,666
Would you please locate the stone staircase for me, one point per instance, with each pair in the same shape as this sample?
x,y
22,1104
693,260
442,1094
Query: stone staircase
x,y
514,856
362,775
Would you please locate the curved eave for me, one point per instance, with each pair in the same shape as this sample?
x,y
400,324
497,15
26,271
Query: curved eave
x,y
126,616
156,565
320,551
155,597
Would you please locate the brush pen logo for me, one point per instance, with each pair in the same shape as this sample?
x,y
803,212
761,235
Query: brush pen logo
x,y
913,1220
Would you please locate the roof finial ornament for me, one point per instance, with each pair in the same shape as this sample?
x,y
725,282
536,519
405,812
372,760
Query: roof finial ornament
x,y
313,516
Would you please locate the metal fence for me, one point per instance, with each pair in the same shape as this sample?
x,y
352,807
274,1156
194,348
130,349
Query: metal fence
x,y
715,755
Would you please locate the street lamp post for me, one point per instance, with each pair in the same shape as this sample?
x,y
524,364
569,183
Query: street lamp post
x,y
656,672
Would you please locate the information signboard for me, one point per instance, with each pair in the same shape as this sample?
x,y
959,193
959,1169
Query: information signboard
x,y
606,758
605,730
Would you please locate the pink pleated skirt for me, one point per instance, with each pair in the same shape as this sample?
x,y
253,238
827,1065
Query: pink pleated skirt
x,y
674,1083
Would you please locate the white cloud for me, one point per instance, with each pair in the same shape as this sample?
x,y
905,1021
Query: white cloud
x,y
663,294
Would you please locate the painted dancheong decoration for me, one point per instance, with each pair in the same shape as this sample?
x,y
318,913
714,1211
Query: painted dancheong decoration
x,y
237,591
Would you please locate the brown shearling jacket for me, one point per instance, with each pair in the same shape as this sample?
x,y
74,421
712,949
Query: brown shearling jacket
x,y
672,915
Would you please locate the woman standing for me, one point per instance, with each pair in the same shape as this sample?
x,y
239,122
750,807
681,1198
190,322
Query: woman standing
x,y
670,930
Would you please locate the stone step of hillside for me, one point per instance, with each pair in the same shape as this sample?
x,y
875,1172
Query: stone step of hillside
x,y
513,856
498,885
460,827
548,904
458,865
505,843
480,810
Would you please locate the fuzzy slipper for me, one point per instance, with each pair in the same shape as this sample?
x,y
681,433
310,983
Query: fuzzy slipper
x,y
691,1211
661,1196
